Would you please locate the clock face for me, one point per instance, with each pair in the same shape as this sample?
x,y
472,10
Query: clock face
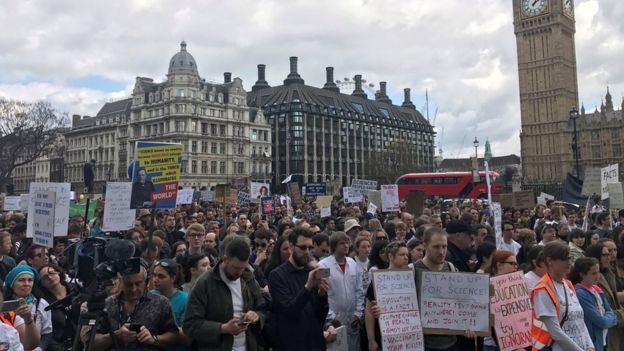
x,y
533,7
568,7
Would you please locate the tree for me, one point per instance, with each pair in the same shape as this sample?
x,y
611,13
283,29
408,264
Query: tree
x,y
398,158
27,132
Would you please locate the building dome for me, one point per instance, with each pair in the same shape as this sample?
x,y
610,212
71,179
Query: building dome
x,y
182,62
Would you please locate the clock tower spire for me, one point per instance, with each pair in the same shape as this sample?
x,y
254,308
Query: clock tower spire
x,y
548,85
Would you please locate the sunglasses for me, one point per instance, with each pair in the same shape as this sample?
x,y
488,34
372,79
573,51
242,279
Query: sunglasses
x,y
162,263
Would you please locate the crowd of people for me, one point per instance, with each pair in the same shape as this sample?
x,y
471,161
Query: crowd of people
x,y
214,277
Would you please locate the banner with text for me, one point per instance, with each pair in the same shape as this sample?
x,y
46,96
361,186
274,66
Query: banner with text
x,y
61,206
399,322
184,196
242,198
12,203
315,189
363,186
608,175
390,198
117,213
452,303
43,203
511,306
351,195
155,175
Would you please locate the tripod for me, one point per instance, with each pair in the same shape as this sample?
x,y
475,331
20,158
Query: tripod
x,y
92,319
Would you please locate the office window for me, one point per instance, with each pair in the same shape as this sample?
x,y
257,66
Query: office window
x,y
193,146
204,148
204,167
193,166
213,167
213,148
222,148
222,130
222,167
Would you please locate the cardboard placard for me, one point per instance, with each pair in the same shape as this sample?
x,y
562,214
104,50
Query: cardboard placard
x,y
12,203
390,198
43,206
506,200
324,201
400,320
372,208
591,181
325,212
523,199
351,195
117,213
415,202
363,186
207,195
242,198
374,196
511,307
616,199
61,206
24,202
453,302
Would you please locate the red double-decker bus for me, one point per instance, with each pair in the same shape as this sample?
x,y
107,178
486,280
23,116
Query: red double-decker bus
x,y
449,185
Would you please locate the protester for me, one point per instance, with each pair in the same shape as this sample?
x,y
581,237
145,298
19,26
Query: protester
x,y
460,244
166,276
228,325
576,243
506,241
599,316
484,254
558,319
346,296
300,301
503,262
194,267
362,251
536,267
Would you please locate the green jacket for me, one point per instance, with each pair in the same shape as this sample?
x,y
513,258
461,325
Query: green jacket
x,y
615,336
210,305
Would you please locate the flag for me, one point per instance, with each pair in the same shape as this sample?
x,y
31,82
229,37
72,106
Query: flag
x,y
288,179
486,160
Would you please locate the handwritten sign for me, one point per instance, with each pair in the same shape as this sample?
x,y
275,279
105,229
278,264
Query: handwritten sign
x,y
351,195
242,198
616,199
43,203
390,198
609,175
117,213
374,196
207,195
184,197
511,306
452,303
324,201
372,208
363,186
12,203
325,212
61,207
399,322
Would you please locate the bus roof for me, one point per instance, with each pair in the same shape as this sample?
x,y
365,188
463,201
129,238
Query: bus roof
x,y
444,174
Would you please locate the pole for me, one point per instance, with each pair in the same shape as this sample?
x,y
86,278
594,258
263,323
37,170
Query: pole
x,y
84,226
576,158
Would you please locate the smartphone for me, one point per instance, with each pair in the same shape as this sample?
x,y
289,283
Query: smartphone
x,y
135,328
10,305
322,273
243,322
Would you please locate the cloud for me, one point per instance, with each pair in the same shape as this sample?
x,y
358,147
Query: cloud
x,y
462,52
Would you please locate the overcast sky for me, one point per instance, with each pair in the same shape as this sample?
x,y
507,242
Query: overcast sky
x,y
79,54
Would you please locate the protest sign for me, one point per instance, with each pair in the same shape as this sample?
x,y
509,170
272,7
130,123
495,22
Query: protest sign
x,y
362,186
324,201
523,199
240,183
42,211
207,195
315,189
616,199
390,198
351,195
24,202
295,193
341,343
511,307
543,198
242,198
79,209
155,175
591,181
325,212
184,197
12,203
497,213
117,213
372,208
374,196
399,322
258,190
61,206
505,200
608,175
266,205
452,303
415,203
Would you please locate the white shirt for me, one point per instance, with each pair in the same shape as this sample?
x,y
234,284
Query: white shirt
x,y
240,344
531,279
346,296
9,339
513,246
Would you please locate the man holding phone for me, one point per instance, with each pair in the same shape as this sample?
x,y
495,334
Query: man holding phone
x,y
224,311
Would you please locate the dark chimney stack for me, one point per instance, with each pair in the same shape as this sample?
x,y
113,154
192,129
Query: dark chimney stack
x,y
382,96
358,87
329,84
227,77
293,76
261,83
407,100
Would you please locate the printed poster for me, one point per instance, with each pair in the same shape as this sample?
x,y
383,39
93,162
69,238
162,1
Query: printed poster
x,y
259,190
390,198
155,175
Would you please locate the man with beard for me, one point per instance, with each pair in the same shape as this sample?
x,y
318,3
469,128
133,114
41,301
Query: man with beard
x,y
224,310
300,302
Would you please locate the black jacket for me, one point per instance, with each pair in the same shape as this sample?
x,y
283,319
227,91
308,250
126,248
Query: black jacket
x,y
457,257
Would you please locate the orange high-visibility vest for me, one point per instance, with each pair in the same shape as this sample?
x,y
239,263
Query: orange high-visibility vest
x,y
7,318
540,336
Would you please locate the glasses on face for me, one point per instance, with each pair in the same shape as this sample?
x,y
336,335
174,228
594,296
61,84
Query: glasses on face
x,y
514,264
305,248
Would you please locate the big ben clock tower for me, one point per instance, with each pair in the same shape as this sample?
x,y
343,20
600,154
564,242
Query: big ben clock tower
x,y
548,86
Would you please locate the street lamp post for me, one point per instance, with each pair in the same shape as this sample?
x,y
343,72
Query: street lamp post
x,y
476,146
573,118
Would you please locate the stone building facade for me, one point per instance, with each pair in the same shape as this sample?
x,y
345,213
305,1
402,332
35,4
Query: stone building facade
x,y
222,137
